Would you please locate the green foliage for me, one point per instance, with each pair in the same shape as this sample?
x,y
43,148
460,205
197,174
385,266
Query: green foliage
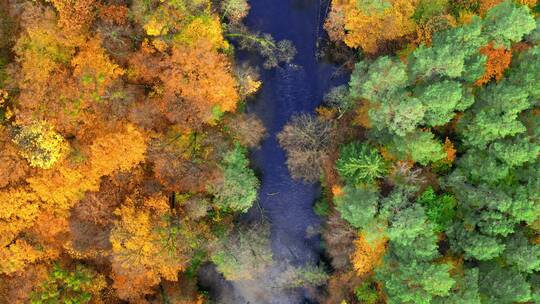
x,y
366,293
64,286
474,244
407,224
465,291
508,22
369,6
440,209
321,207
440,99
427,9
503,285
421,146
525,73
378,80
414,282
358,206
522,253
515,151
360,163
239,188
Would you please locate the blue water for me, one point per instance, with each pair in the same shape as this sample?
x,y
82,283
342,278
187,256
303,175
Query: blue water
x,y
287,90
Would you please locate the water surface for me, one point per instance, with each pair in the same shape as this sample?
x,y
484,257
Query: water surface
x,y
287,90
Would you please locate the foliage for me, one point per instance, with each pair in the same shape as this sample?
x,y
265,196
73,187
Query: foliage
x,y
40,145
358,206
366,293
503,285
64,286
238,190
367,24
359,163
235,10
367,255
440,209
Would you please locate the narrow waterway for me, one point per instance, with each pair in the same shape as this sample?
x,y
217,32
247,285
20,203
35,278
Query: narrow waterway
x,y
287,90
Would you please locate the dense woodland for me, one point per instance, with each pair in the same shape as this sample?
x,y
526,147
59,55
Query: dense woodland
x,y
124,151
430,154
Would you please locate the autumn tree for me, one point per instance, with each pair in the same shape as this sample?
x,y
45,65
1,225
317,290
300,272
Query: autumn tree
x,y
367,24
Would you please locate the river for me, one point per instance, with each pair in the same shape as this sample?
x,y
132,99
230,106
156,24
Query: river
x,y
292,88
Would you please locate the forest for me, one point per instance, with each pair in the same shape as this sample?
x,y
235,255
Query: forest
x,y
126,143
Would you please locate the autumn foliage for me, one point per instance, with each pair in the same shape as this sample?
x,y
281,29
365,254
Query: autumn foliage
x,y
498,60
115,122
367,24
368,254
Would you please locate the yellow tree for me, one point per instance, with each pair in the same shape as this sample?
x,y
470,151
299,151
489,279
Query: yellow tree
x,y
368,253
145,246
367,25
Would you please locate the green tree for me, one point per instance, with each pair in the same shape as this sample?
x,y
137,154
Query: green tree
x,y
494,115
465,291
239,187
358,205
421,146
508,22
414,282
522,253
440,209
64,286
360,163
503,285
441,99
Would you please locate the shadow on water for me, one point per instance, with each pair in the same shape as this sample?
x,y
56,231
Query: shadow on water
x,y
287,204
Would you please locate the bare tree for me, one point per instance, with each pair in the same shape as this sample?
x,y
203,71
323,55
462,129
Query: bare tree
x,y
307,140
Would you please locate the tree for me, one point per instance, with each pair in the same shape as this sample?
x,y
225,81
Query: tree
x,y
40,144
245,254
238,190
79,286
359,163
508,22
367,255
121,150
522,253
147,243
199,76
498,60
415,282
465,290
306,139
358,206
235,10
440,209
503,285
247,129
273,53
369,23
